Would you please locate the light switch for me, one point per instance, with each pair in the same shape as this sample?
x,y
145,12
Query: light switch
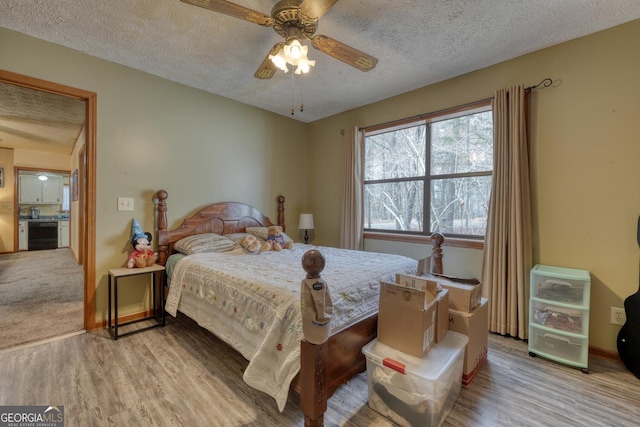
x,y
125,203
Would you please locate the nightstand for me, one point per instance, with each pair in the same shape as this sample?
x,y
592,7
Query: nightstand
x,y
155,271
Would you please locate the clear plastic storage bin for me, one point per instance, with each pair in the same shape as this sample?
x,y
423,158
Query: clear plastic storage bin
x,y
414,391
559,315
563,285
562,348
561,318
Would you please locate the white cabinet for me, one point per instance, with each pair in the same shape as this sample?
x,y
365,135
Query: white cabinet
x,y
559,315
52,190
63,234
32,190
23,236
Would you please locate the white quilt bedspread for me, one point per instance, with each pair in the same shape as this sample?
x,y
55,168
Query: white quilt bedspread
x,y
253,302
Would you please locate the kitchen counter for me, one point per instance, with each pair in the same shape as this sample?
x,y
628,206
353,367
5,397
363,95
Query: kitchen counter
x,y
42,219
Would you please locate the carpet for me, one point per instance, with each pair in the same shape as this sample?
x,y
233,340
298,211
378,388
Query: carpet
x,y
41,296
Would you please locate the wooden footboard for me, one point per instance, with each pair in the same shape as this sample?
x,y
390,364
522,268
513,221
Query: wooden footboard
x,y
325,367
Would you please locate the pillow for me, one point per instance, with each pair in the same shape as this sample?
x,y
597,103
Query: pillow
x,y
236,237
263,233
200,243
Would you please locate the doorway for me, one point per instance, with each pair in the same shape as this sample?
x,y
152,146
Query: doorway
x,y
84,225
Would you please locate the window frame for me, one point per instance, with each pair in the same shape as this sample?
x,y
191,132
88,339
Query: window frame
x,y
472,241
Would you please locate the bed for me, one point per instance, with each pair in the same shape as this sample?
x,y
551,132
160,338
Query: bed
x,y
252,301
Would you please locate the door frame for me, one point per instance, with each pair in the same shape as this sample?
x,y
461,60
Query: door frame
x,y
87,246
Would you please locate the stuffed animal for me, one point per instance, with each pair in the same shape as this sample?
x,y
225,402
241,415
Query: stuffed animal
x,y
276,239
143,255
253,245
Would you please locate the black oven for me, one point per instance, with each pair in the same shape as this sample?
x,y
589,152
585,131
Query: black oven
x,y
43,235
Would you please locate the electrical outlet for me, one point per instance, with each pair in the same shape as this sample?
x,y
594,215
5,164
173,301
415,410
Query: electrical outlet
x,y
125,204
618,316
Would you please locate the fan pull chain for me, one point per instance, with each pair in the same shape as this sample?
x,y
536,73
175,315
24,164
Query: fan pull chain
x,y
301,94
293,86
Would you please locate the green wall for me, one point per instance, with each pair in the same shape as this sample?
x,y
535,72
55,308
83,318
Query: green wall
x,y
155,134
585,154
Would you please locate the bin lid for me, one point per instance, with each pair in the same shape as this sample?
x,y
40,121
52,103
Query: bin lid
x,y
431,366
561,272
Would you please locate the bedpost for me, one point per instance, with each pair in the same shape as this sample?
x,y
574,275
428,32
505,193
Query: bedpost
x,y
437,240
163,247
281,213
313,382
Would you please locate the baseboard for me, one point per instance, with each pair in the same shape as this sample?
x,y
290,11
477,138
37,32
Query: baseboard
x,y
607,354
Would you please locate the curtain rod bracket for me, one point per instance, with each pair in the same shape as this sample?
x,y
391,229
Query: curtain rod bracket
x,y
545,83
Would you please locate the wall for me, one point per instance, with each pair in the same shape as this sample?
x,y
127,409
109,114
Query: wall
x,y
157,134
154,134
36,159
74,231
7,208
584,149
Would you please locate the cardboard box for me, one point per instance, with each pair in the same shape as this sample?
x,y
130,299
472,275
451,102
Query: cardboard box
x,y
406,321
475,326
424,266
462,296
442,314
417,282
433,294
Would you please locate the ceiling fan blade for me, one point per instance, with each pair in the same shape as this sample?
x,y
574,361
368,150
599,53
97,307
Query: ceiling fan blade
x,y
235,10
316,8
344,53
267,69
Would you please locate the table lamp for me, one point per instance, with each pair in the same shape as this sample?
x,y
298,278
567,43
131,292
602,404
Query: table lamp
x,y
306,224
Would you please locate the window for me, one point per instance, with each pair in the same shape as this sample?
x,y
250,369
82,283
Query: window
x,y
431,174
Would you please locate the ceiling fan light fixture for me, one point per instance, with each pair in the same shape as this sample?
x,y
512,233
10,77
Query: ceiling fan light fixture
x,y
294,50
304,67
279,61
293,53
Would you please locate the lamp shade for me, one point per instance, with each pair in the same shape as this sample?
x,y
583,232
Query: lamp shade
x,y
306,222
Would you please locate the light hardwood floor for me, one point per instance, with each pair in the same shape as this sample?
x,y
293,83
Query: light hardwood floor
x,y
182,375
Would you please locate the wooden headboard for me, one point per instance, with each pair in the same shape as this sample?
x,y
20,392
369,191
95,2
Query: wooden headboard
x,y
220,218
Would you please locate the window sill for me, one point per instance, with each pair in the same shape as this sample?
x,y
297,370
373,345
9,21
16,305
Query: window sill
x,y
425,240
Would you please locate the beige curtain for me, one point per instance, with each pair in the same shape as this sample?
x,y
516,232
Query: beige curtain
x,y
507,255
351,226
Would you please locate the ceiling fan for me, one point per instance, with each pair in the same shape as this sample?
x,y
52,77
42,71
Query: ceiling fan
x,y
293,20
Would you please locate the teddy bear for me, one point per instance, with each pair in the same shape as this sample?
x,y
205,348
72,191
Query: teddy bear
x,y
143,255
275,239
253,245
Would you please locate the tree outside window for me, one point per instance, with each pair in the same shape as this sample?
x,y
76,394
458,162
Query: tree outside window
x,y
430,175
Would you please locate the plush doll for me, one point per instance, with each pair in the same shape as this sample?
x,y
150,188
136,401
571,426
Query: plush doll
x,y
276,239
253,245
143,255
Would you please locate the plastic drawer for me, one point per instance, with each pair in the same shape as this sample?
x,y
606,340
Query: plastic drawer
x,y
562,348
560,318
564,285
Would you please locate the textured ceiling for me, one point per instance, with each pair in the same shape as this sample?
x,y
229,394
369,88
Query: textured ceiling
x,y
39,121
417,42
